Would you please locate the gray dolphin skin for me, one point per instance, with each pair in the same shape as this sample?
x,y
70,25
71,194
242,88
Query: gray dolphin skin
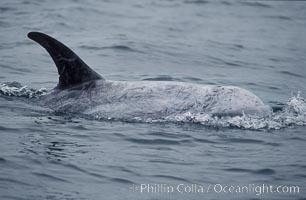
x,y
82,90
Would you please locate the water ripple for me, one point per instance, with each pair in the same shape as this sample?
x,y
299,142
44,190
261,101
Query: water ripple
x,y
265,171
205,141
113,47
255,4
196,2
280,17
4,9
77,168
163,161
14,181
122,180
16,69
292,74
243,140
170,177
49,177
155,141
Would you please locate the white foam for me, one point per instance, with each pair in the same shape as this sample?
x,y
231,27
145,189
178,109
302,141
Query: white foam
x,y
293,114
17,90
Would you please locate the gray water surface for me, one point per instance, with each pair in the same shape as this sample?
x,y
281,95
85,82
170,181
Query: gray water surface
x,y
256,45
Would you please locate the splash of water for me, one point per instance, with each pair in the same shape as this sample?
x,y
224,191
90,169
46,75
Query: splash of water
x,y
293,114
17,90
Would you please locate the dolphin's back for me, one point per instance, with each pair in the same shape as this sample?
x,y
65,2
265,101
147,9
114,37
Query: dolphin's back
x,y
155,100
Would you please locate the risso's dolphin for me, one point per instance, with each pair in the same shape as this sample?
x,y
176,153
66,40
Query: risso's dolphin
x,y
82,90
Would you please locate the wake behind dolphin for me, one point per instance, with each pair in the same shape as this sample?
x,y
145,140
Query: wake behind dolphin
x,y
82,90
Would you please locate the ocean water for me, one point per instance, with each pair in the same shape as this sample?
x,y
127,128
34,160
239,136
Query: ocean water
x,y
256,45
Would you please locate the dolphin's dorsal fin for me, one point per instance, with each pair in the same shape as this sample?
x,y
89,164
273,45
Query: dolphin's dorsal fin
x,y
71,69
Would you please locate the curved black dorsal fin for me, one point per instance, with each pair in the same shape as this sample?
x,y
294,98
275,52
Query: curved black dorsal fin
x,y
71,69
